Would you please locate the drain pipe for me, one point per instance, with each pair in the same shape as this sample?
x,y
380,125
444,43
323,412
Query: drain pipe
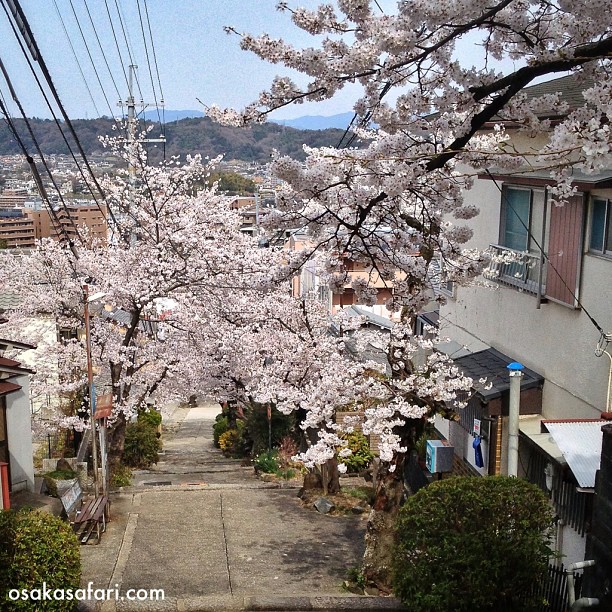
x,y
515,370
583,602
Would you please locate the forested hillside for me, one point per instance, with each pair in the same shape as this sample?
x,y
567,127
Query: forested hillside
x,y
187,136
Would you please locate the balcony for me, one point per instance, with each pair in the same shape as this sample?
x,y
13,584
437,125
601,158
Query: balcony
x,y
522,271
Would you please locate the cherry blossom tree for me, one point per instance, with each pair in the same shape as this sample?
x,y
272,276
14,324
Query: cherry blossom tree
x,y
402,194
174,251
426,123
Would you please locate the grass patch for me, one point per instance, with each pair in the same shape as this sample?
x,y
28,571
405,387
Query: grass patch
x,y
363,492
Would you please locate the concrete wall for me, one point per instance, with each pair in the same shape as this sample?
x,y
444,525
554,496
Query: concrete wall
x,y
19,428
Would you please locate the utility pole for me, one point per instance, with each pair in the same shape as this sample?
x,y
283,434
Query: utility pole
x,y
131,134
92,397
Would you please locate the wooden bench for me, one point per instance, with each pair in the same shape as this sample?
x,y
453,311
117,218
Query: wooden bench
x,y
93,515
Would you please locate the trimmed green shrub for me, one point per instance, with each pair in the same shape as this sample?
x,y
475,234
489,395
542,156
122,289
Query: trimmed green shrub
x,y
121,477
142,445
472,544
37,547
362,455
219,428
232,441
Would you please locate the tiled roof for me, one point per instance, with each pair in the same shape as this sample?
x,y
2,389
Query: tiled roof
x,y
492,365
570,87
8,301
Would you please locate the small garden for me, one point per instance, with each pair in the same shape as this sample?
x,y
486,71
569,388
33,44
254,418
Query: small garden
x,y
269,441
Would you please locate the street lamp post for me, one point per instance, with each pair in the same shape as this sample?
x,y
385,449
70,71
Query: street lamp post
x,y
92,399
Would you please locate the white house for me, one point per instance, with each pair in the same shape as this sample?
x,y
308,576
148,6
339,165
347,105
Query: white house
x,y
550,309
15,420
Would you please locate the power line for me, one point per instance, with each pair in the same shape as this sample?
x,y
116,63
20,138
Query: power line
x,y
91,58
30,160
76,57
146,47
21,20
112,25
127,43
93,25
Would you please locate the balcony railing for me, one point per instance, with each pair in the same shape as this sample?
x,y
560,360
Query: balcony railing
x,y
521,270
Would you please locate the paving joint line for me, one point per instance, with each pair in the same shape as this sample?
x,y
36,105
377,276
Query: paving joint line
x,y
227,563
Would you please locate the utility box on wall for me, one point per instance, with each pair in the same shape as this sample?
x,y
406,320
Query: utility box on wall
x,y
439,456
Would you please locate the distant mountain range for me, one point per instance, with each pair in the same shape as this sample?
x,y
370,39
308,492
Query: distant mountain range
x,y
184,136
308,122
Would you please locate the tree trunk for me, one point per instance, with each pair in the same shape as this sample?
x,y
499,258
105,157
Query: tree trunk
x,y
390,491
116,442
380,531
331,477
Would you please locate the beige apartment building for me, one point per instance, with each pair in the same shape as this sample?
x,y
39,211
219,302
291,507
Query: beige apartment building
x,y
70,218
20,228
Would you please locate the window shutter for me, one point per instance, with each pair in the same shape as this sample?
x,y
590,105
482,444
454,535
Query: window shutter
x,y
565,251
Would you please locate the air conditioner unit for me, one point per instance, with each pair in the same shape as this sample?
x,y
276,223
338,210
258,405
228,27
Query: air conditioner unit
x,y
439,456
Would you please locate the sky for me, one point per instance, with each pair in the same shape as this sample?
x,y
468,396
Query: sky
x,y
196,59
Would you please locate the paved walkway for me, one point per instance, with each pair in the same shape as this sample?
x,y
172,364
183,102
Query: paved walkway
x,y
214,537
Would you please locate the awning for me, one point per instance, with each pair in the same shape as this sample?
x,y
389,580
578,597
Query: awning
x,y
580,444
7,387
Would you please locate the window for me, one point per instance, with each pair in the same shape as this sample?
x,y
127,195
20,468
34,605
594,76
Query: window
x,y
601,226
522,219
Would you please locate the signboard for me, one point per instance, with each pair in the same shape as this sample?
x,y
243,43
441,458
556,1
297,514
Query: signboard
x,y
104,406
476,427
71,497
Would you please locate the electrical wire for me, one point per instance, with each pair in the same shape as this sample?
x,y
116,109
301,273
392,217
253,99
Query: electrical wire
x,y
146,47
128,44
76,57
110,72
29,38
112,25
161,91
37,178
40,153
108,104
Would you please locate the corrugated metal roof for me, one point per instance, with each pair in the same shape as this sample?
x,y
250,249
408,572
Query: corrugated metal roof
x,y
580,444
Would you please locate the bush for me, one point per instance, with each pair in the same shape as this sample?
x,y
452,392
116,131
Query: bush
x,y
362,455
121,477
219,428
142,445
36,547
472,544
232,441
267,462
257,427
150,417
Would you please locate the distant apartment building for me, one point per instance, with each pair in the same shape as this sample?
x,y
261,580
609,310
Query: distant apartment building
x,y
20,228
13,198
311,283
69,219
16,229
